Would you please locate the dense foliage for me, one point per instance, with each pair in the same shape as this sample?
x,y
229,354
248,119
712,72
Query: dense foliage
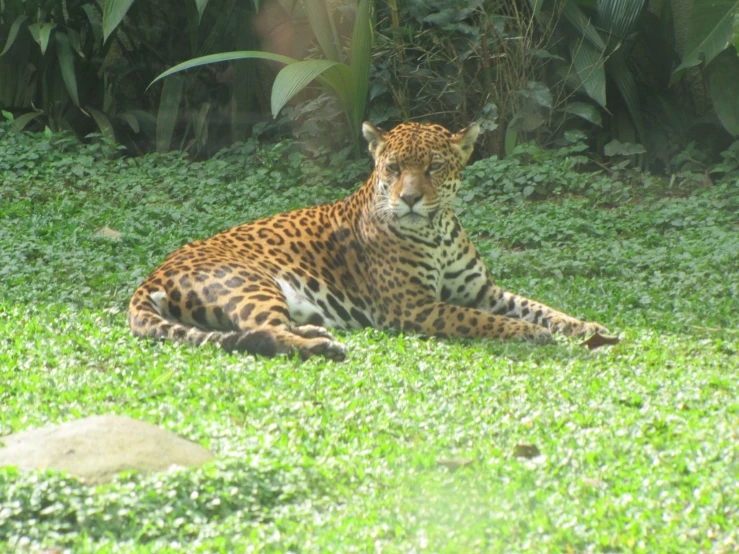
x,y
638,78
636,444
82,66
538,69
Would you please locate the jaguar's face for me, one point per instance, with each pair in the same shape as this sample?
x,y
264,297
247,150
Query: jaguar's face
x,y
417,169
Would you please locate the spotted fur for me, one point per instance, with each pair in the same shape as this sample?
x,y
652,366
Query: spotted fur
x,y
391,255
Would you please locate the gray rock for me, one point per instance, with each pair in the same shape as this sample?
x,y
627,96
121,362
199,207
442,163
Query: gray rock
x,y
96,448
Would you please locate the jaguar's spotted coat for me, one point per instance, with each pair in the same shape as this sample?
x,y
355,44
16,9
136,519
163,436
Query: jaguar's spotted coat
x,y
393,254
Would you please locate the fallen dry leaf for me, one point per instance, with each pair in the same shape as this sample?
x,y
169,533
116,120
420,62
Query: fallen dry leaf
x,y
598,340
453,464
108,233
592,482
526,451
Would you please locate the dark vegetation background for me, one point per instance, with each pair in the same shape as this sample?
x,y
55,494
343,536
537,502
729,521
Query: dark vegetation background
x,y
653,83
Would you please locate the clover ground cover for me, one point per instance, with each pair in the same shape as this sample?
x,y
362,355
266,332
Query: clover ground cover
x,y
638,442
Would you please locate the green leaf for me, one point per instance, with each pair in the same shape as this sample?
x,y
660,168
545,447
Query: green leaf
x,y
41,33
295,77
723,81
200,5
167,114
103,123
131,119
323,28
586,111
18,85
538,93
162,378
96,21
74,41
361,56
543,54
223,57
338,79
65,55
618,17
113,13
582,25
618,148
711,31
20,122
527,119
13,32
442,18
589,66
623,77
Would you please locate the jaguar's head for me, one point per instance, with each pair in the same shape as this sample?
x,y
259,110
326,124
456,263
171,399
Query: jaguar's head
x,y
417,169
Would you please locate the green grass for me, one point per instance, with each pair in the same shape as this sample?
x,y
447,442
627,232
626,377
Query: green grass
x,y
639,442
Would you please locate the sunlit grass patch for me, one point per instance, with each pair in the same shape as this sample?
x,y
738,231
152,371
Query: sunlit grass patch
x,y
636,443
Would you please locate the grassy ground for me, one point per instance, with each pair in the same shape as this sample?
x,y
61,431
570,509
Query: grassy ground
x,y
638,443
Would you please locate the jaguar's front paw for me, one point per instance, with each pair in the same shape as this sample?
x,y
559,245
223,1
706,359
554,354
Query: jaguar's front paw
x,y
538,334
571,327
589,328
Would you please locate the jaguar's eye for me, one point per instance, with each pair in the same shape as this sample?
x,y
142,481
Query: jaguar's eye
x,y
393,168
435,166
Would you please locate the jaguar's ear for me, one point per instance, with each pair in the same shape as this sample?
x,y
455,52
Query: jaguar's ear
x,y
465,140
375,138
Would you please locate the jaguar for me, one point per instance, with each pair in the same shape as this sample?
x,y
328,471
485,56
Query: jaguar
x,y
393,254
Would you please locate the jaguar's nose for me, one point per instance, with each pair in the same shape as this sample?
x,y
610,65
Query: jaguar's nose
x,y
411,198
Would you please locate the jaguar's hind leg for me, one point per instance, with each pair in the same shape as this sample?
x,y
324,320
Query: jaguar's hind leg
x,y
261,308
237,306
